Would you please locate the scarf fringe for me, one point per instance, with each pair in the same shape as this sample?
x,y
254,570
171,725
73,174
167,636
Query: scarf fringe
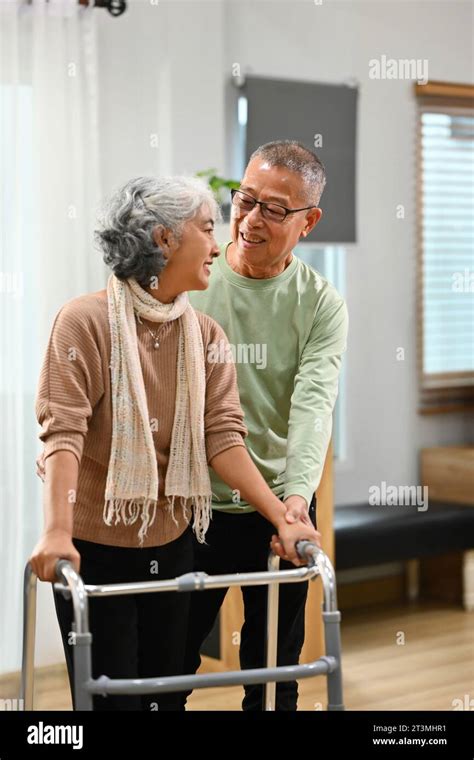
x,y
202,516
202,509
128,511
184,505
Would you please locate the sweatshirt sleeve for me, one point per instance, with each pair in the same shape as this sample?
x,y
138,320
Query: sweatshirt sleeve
x,y
312,403
223,418
70,383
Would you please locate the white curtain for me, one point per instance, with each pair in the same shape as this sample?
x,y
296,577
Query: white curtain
x,y
49,196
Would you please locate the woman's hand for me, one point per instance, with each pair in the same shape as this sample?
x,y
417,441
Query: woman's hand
x,y
288,536
53,545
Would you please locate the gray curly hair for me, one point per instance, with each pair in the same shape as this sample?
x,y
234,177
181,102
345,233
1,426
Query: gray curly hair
x,y
134,211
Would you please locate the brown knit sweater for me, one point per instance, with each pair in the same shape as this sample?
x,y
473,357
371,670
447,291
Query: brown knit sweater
x,y
74,407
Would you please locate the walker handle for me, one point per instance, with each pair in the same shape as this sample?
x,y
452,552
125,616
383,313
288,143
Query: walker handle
x,y
60,564
307,551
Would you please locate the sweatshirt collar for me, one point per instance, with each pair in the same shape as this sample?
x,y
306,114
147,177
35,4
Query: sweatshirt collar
x,y
250,282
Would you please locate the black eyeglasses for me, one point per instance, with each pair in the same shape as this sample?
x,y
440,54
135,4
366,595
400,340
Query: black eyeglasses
x,y
271,211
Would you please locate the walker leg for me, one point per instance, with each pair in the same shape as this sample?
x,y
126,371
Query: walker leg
x,y
29,633
272,633
82,671
82,637
332,634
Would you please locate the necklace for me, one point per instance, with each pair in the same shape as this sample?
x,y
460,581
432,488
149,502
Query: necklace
x,y
154,333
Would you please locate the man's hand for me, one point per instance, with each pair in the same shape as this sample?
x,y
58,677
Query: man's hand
x,y
40,468
288,536
297,509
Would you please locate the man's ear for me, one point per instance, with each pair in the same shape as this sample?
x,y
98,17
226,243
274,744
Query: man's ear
x,y
164,239
312,218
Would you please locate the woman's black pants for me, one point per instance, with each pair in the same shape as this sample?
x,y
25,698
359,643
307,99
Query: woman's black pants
x,y
133,636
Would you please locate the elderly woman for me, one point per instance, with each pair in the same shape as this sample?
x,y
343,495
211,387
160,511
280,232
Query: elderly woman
x,y
133,410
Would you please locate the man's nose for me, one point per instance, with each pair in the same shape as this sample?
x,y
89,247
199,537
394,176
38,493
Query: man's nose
x,y
255,216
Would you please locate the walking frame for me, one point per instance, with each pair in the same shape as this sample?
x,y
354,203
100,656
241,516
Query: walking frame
x,y
70,584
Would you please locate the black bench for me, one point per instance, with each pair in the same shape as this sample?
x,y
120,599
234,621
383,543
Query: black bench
x,y
373,535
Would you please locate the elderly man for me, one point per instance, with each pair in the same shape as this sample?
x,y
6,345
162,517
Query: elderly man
x,y
287,327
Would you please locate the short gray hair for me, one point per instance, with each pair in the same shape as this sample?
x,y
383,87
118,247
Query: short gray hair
x,y
135,210
295,156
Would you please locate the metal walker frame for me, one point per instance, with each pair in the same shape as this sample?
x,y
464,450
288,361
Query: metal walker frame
x,y
71,586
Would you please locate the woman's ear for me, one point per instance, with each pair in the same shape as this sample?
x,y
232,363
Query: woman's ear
x,y
164,239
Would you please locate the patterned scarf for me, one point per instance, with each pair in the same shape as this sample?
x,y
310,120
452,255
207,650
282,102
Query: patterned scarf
x,y
132,479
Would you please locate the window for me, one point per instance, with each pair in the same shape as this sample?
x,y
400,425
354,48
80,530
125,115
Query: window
x,y
446,237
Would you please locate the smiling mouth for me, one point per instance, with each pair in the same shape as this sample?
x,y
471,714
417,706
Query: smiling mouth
x,y
251,239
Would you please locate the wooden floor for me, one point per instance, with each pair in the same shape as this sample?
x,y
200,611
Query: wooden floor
x,y
433,667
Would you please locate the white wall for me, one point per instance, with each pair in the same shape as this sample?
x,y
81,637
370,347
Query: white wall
x,y
162,72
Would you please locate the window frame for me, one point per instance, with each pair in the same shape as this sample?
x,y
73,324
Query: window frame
x,y
443,392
